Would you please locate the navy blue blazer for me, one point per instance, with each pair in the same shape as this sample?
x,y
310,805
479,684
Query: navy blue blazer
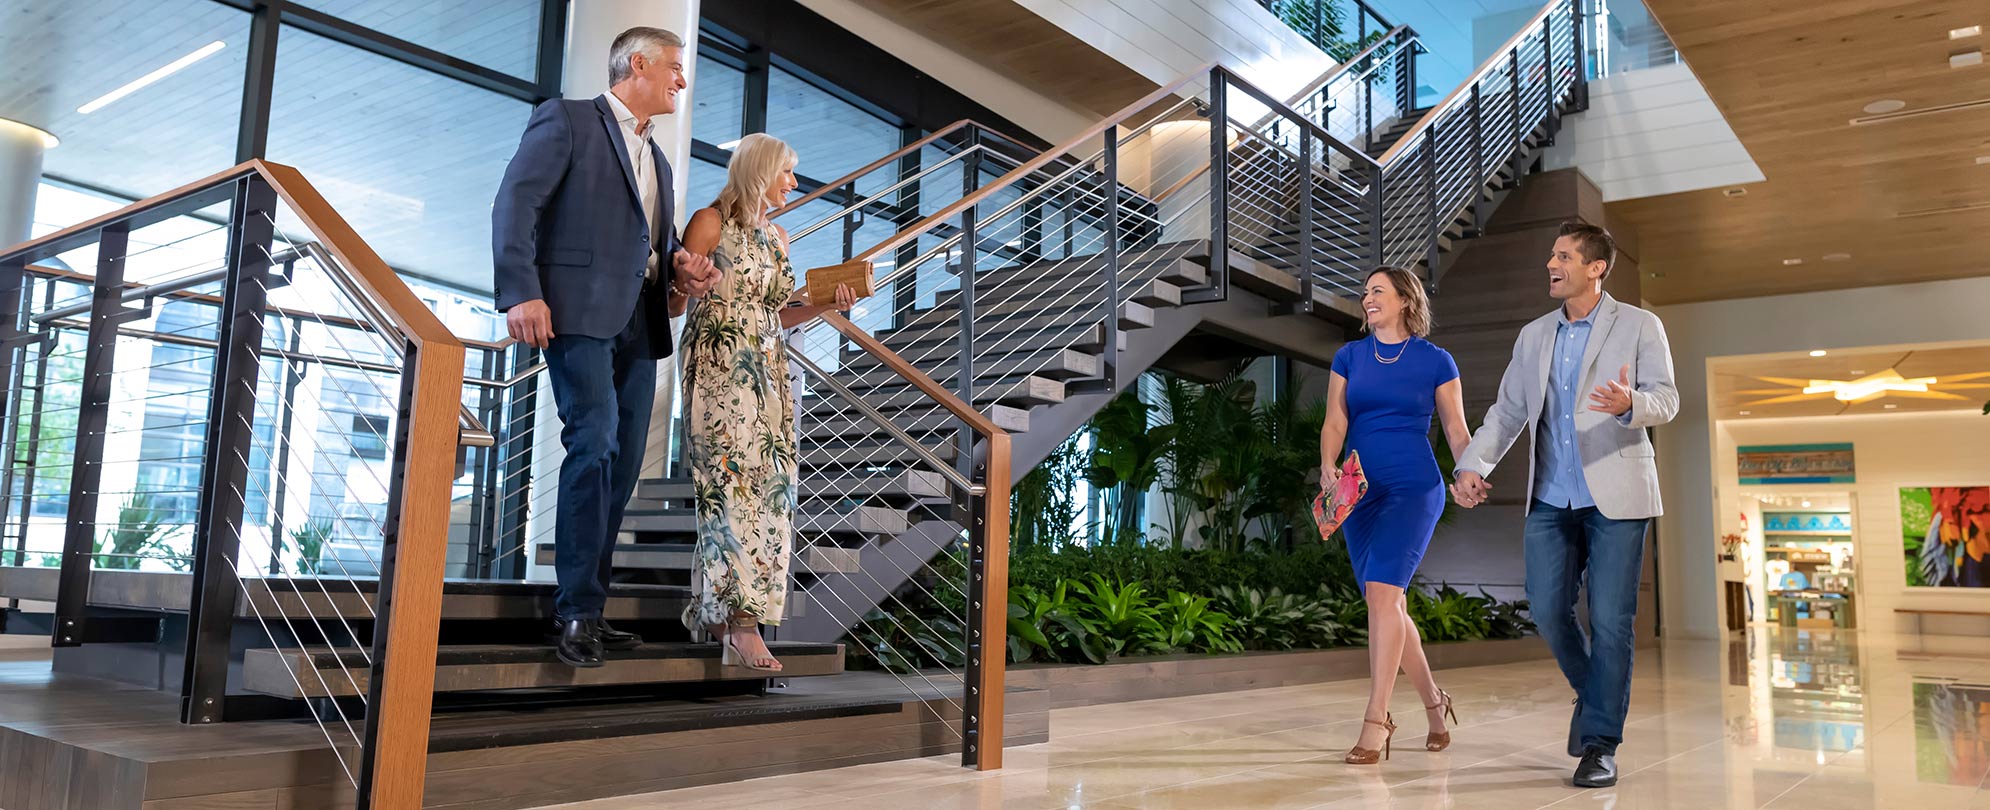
x,y
567,226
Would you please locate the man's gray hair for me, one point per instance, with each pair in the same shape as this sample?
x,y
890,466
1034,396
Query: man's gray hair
x,y
641,39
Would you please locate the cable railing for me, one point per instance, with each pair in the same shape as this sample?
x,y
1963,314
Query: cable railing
x,y
264,406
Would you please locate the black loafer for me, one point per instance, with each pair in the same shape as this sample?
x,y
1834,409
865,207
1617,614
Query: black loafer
x,y
1597,769
578,647
613,639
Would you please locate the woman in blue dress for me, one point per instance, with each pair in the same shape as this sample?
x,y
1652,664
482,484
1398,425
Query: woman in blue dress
x,y
1380,399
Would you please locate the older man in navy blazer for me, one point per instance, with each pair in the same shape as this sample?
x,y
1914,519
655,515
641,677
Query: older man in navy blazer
x,y
589,269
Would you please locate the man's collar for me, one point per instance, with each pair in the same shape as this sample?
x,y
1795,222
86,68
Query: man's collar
x,y
622,112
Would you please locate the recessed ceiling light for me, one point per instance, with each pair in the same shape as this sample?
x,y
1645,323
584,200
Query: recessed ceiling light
x,y
1981,160
1885,105
1890,406
1745,413
1857,371
1966,59
1806,504
1792,262
1837,257
1817,352
141,82
1965,32
1657,275
1734,192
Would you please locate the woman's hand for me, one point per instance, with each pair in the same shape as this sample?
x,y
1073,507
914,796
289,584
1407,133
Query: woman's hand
x,y
846,298
1329,477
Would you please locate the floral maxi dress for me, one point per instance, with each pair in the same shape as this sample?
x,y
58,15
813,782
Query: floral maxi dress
x,y
740,431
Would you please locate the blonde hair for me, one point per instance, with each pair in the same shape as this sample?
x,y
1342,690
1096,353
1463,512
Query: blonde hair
x,y
756,161
1416,304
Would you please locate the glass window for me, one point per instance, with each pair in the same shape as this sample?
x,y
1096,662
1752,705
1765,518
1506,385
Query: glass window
x,y
410,158
718,102
707,179
832,137
498,34
62,57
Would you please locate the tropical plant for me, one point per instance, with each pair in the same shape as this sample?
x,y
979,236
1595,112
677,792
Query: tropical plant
x,y
1043,506
309,541
1449,615
1126,460
1117,614
1042,624
141,525
901,641
1188,622
1283,489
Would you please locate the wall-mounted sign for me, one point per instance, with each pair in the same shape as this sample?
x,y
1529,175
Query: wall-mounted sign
x,y
1796,464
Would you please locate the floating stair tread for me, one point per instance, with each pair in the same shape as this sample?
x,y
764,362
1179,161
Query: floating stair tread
x,y
322,672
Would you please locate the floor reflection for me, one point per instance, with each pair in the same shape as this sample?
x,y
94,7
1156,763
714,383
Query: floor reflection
x,y
1773,718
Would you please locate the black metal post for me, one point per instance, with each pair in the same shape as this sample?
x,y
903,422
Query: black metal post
x,y
1548,73
224,468
293,376
33,457
259,85
1479,177
1405,81
514,482
905,290
1219,187
1437,223
1109,298
851,222
1378,252
86,468
483,493
552,46
969,253
383,601
13,369
977,591
1308,220
1513,67
1579,97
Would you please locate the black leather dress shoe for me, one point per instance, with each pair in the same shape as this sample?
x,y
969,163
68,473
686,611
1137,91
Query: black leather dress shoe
x,y
1597,769
1575,730
578,647
613,639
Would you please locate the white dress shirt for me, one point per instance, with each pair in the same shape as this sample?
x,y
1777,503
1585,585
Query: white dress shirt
x,y
643,161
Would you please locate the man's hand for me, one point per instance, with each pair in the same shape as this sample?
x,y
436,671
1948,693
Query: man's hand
x,y
530,323
1470,489
1614,397
695,273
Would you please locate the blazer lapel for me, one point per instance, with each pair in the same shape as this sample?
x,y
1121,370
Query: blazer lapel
x,y
1544,357
1599,331
614,128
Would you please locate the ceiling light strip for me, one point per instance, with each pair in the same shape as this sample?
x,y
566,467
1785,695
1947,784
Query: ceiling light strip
x,y
141,82
1884,118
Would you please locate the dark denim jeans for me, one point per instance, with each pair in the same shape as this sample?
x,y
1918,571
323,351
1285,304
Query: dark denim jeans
x,y
1562,545
604,389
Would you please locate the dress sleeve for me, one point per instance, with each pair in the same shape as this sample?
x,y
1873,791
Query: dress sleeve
x,y
1343,360
1446,369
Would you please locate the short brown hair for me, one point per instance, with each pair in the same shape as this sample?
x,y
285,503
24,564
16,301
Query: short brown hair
x,y
1593,242
1416,309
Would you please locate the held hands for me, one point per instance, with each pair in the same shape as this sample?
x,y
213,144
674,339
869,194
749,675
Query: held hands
x,y
846,298
1470,489
695,274
1614,397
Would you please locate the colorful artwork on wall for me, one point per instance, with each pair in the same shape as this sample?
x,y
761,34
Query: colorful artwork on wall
x,y
1946,536
1796,464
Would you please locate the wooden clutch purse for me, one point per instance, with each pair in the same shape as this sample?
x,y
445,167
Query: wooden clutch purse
x,y
822,282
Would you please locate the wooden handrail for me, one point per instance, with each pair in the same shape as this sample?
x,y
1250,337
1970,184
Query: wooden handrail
x,y
399,721
1459,93
1030,166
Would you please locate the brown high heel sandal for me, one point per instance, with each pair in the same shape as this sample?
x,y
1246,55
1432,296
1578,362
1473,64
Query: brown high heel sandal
x,y
731,656
1369,756
1439,740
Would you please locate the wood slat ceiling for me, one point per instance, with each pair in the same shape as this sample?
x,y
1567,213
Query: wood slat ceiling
x,y
1023,47
1738,383
1789,77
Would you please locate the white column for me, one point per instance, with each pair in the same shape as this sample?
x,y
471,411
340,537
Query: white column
x,y
21,148
591,28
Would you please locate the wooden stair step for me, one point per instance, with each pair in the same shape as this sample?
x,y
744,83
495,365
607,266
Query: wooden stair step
x,y
677,557
343,672
869,521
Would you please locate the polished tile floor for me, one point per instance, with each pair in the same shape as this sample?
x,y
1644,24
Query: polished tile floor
x,y
1773,719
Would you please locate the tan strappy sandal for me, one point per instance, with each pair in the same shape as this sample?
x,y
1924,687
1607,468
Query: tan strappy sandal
x,y
1439,740
1369,756
731,656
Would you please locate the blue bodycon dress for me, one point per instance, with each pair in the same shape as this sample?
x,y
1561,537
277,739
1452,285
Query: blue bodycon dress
x,y
1388,423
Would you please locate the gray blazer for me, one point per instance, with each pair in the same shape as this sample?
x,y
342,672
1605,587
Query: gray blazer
x,y
1617,458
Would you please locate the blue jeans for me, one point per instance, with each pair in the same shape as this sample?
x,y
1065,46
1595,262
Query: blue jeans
x,y
603,389
1562,544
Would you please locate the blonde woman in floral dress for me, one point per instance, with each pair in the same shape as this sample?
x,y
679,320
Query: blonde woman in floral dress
x,y
739,408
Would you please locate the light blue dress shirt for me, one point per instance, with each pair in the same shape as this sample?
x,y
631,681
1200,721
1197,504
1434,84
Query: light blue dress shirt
x,y
1558,477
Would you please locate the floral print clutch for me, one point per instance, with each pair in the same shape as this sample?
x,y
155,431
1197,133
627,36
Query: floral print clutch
x,y
1332,507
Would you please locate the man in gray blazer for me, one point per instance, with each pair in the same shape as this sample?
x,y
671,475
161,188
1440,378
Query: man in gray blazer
x,y
1592,484
589,270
